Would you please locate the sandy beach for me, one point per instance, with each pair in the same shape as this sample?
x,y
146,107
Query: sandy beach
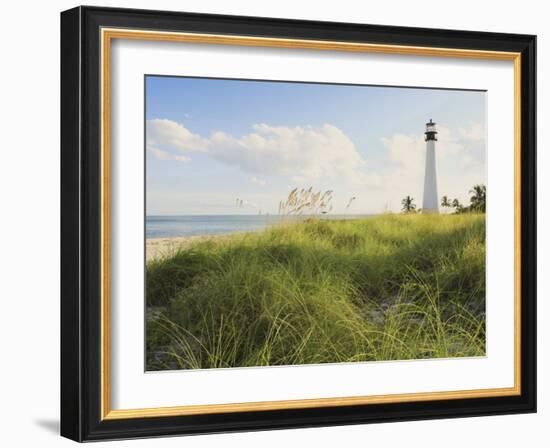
x,y
162,247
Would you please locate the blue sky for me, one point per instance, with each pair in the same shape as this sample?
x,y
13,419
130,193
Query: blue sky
x,y
211,141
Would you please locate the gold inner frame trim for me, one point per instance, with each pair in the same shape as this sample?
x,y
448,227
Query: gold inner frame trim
x,y
107,35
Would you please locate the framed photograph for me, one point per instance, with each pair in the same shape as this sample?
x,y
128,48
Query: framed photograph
x,y
274,223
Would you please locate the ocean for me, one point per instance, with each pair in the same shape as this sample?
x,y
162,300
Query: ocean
x,y
191,225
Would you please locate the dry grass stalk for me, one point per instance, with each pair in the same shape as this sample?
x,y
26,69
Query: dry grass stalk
x,y
306,202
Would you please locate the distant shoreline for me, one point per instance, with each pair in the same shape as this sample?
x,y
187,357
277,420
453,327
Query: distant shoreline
x,y
169,226
165,245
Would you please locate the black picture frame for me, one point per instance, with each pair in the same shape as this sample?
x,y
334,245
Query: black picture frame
x,y
81,224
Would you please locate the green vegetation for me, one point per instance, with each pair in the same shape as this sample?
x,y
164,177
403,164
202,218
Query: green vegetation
x,y
392,287
408,205
478,200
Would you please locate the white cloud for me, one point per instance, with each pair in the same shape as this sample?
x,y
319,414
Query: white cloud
x,y
307,153
468,161
165,155
475,133
159,153
257,181
183,159
167,134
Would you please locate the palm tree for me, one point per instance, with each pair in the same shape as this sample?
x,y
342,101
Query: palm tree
x,y
445,202
408,205
478,198
457,205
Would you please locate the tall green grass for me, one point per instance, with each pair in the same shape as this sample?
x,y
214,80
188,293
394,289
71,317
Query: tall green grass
x,y
387,288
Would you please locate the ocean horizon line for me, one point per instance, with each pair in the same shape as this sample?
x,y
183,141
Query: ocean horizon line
x,y
262,214
159,226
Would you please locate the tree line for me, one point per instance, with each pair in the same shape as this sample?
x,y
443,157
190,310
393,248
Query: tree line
x,y
478,195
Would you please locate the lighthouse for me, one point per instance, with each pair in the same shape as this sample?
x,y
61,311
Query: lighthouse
x,y
430,203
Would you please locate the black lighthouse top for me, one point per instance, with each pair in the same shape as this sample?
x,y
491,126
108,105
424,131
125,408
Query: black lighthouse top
x,y
430,131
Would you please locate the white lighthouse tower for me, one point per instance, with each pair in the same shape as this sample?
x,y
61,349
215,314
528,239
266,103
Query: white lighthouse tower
x,y
430,203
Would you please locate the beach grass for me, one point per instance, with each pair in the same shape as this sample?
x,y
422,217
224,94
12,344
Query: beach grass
x,y
392,287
